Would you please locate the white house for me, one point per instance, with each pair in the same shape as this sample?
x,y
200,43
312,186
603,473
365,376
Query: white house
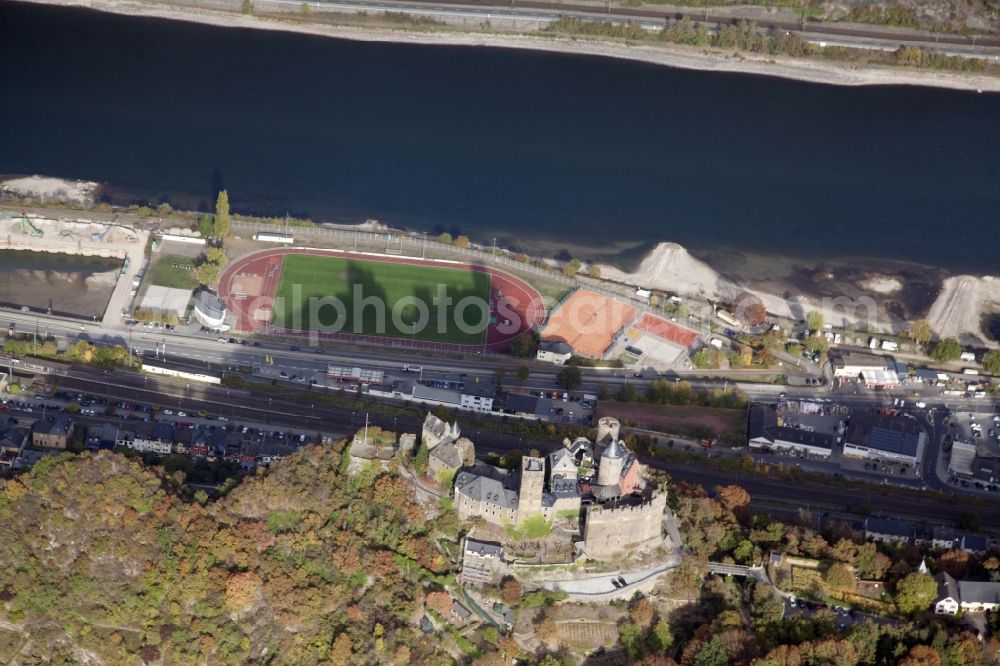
x,y
478,395
554,351
947,599
562,463
970,596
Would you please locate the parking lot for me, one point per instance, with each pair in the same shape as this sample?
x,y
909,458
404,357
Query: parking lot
x,y
982,430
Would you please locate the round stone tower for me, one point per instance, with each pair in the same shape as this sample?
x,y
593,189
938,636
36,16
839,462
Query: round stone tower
x,y
607,430
609,470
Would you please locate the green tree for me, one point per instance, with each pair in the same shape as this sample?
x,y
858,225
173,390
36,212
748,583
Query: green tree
x,y
630,637
247,7
840,577
524,345
594,271
164,210
523,372
222,214
572,267
947,349
920,331
712,653
207,273
817,344
915,592
660,638
420,460
217,256
569,377
445,238
627,393
206,225
814,320
991,362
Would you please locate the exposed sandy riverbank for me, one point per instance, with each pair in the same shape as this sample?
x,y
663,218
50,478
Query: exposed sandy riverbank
x,y
670,55
846,294
47,190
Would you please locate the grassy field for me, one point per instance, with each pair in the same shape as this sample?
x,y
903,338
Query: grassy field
x,y
325,277
171,270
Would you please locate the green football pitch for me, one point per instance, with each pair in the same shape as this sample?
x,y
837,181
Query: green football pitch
x,y
311,286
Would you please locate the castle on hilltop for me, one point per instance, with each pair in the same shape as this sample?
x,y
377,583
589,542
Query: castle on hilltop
x,y
602,478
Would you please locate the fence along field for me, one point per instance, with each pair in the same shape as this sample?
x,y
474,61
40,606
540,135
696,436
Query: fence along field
x,y
319,277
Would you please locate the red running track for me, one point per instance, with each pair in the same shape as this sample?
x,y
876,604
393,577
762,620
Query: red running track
x,y
250,283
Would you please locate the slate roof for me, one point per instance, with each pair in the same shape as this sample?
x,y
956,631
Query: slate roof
x,y
555,347
482,388
483,549
61,425
978,592
11,438
947,587
887,526
557,457
421,392
448,453
521,403
485,489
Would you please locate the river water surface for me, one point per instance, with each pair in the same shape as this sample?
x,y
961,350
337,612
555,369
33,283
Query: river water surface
x,y
525,146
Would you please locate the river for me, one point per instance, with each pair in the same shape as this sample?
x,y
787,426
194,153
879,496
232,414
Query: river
x,y
537,149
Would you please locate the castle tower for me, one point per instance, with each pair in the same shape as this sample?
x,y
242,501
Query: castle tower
x,y
529,499
607,430
609,470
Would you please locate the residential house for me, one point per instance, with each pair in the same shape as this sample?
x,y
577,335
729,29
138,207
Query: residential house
x,y
562,463
11,444
970,596
478,395
155,437
888,531
978,596
481,561
53,434
101,437
947,596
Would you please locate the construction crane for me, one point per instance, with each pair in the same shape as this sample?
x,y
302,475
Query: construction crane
x,y
99,238
27,228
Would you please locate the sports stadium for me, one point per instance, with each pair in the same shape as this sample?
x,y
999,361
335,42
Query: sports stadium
x,y
378,299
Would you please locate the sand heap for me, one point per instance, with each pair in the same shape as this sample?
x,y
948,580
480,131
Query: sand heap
x,y
43,189
961,305
669,267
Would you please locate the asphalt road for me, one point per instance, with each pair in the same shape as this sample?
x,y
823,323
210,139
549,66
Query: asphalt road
x,y
337,421
851,34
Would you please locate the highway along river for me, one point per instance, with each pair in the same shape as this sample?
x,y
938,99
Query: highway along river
x,y
521,145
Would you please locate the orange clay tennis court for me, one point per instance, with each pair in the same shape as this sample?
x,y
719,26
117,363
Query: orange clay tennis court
x,y
667,330
588,322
